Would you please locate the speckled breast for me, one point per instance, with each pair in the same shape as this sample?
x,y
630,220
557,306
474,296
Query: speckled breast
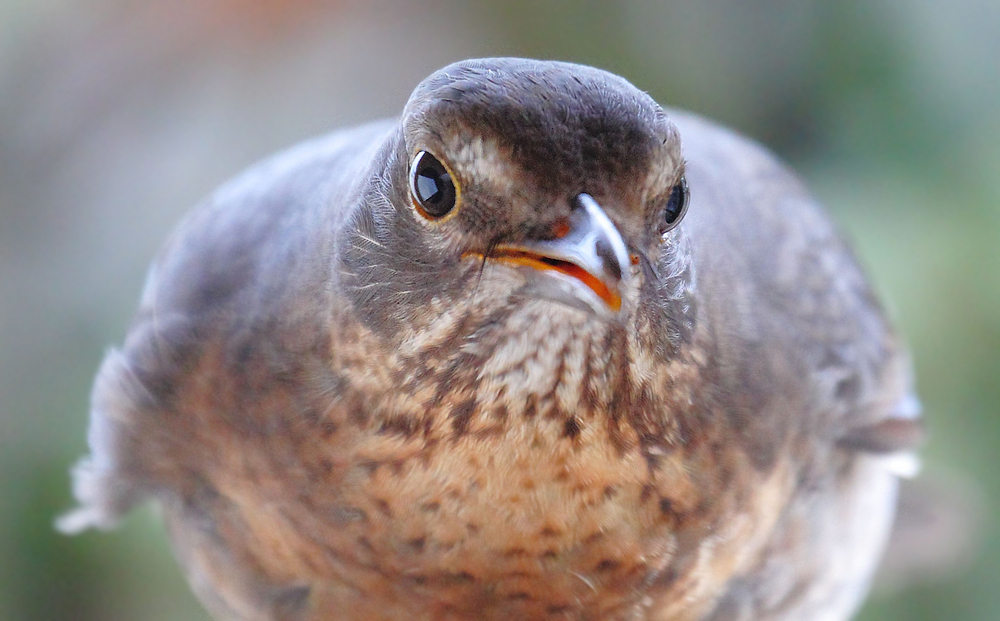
x,y
532,487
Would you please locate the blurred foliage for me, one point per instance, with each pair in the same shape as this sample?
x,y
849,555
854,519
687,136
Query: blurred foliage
x,y
117,118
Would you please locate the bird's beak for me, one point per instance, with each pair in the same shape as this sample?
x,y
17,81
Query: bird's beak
x,y
591,251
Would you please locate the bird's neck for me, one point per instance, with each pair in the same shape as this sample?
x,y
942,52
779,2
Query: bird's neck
x,y
482,370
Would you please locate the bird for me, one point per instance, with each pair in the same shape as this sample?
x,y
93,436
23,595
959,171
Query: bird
x,y
538,348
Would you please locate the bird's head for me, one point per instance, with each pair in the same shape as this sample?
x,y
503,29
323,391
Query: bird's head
x,y
511,183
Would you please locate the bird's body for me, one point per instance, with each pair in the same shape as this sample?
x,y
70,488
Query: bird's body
x,y
351,408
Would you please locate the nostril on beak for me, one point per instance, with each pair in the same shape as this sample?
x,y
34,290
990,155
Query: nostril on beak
x,y
603,241
609,261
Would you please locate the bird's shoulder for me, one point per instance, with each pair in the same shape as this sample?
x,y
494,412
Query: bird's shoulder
x,y
255,226
784,303
230,320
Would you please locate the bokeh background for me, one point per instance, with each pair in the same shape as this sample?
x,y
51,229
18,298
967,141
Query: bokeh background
x,y
116,116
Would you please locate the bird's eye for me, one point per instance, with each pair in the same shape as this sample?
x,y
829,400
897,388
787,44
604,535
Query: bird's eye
x,y
677,204
431,186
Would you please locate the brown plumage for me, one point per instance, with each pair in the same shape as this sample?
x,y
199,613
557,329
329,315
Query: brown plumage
x,y
357,396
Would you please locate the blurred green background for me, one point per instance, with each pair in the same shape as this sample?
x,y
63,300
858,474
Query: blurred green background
x,y
117,116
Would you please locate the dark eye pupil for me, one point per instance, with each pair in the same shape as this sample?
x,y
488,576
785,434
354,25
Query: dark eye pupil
x,y
674,204
432,186
677,203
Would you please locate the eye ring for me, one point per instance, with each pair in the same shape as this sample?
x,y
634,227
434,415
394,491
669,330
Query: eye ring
x,y
677,205
434,189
